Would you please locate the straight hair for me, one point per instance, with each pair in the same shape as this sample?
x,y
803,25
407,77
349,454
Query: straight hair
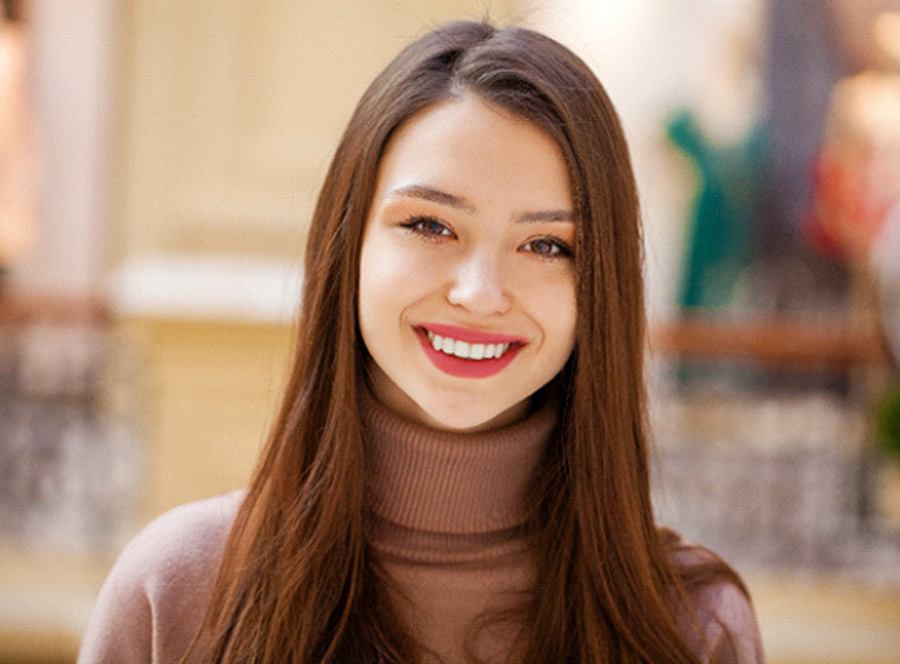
x,y
297,582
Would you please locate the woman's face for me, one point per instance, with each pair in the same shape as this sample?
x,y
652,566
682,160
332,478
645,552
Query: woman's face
x,y
467,279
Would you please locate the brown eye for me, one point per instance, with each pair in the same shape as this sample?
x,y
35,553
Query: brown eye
x,y
547,248
544,247
428,226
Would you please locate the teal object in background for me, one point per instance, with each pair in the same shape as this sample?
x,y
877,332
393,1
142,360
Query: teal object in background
x,y
721,238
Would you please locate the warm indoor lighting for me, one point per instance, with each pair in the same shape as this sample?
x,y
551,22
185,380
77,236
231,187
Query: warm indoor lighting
x,y
887,33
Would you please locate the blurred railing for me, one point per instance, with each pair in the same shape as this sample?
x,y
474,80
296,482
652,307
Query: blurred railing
x,y
68,438
763,443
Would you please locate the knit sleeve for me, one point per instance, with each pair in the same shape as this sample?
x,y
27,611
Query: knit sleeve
x,y
121,624
156,595
729,626
726,631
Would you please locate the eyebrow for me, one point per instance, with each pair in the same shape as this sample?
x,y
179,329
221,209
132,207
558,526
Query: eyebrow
x,y
424,192
427,193
548,215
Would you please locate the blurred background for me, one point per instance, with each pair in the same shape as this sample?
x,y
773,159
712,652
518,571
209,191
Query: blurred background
x,y
159,161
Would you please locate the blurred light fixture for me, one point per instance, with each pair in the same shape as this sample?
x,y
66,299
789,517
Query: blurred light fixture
x,y
887,33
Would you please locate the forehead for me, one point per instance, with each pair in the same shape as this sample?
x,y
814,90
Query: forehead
x,y
471,146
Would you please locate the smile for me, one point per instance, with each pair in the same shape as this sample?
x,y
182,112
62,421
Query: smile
x,y
468,353
464,349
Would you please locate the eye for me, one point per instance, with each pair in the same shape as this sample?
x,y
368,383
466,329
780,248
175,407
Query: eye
x,y
426,226
548,247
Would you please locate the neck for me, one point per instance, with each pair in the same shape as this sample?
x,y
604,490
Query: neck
x,y
450,482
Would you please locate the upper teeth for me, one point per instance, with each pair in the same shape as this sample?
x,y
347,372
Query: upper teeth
x,y
464,349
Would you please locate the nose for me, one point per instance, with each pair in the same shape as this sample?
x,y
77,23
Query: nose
x,y
478,285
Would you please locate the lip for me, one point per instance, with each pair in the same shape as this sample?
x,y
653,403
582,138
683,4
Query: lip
x,y
471,336
464,367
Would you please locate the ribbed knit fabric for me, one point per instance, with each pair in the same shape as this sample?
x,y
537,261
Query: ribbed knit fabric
x,y
448,525
448,482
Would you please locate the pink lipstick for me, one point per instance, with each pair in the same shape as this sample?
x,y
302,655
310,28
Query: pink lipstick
x,y
468,353
471,336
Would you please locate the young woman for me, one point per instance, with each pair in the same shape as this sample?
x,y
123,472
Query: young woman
x,y
459,470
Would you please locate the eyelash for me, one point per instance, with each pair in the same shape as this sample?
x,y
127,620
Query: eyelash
x,y
415,225
564,250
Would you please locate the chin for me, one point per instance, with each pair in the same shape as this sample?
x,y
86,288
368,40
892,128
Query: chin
x,y
465,419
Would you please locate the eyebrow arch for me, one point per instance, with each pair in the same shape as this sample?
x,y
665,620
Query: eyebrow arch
x,y
427,193
434,195
547,215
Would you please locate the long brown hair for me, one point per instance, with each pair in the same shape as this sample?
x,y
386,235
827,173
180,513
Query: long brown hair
x,y
297,583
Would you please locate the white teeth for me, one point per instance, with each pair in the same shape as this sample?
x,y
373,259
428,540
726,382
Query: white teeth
x,y
447,345
464,349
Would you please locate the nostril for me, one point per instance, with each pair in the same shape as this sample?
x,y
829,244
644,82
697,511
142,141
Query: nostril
x,y
478,287
479,300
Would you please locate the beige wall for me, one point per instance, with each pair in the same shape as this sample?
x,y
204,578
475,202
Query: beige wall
x,y
231,110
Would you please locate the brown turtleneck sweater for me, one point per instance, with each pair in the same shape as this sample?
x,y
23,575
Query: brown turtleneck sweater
x,y
447,526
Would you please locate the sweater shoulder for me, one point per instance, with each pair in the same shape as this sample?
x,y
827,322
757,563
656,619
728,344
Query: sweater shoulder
x,y
722,604
729,624
184,542
156,595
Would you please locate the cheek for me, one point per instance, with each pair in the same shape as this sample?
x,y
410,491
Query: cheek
x,y
392,276
554,299
391,270
565,329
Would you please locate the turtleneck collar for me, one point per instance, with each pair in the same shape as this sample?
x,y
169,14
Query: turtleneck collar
x,y
437,481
